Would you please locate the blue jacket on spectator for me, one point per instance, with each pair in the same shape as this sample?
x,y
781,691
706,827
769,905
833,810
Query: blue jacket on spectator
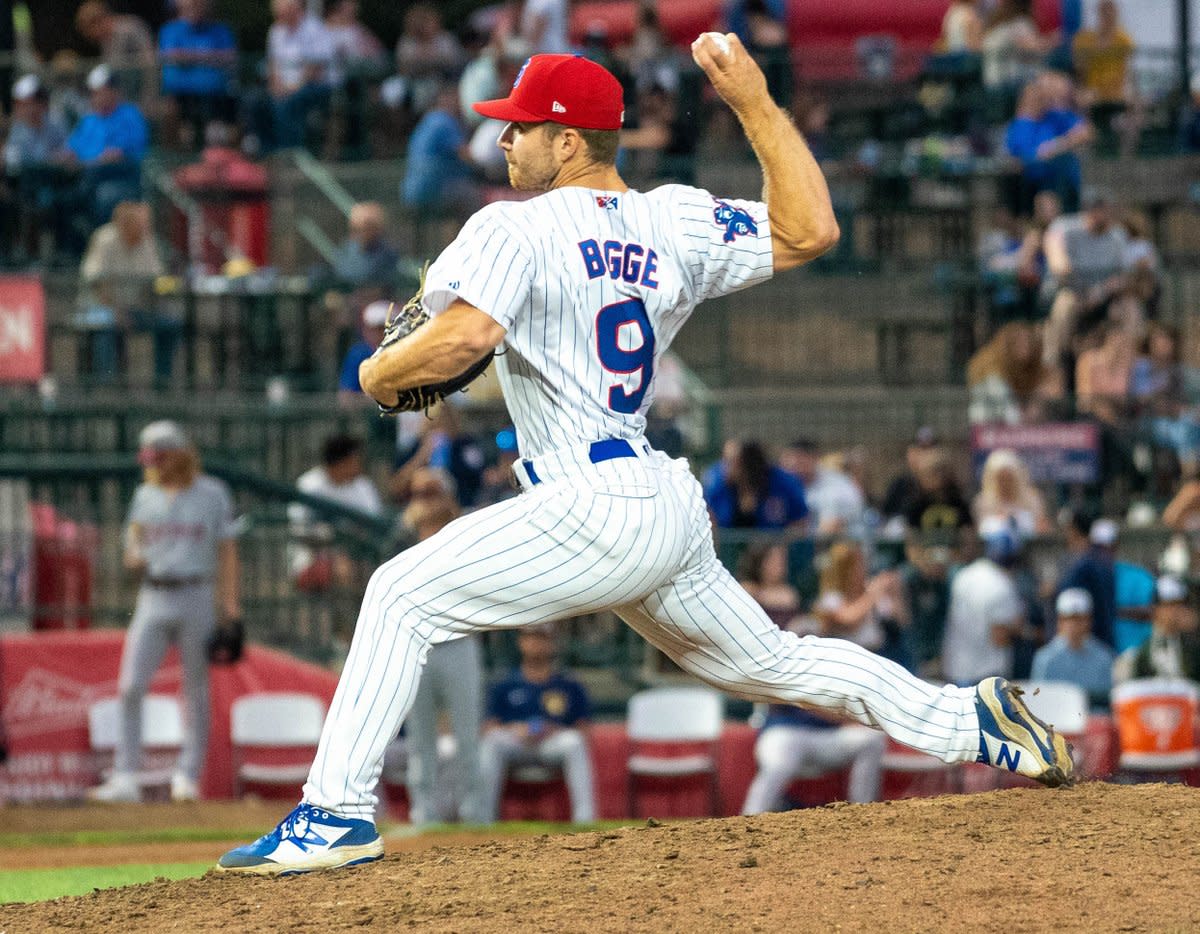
x,y
433,165
195,78
1094,572
1090,667
124,129
782,504
1025,135
560,700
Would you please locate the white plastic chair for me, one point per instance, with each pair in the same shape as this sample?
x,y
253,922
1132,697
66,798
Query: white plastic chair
x,y
675,715
273,720
162,733
1155,724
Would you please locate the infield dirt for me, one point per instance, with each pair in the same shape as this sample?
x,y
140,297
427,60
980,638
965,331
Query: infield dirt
x,y
1093,858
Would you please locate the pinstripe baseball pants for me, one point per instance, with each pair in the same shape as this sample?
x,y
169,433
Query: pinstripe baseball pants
x,y
630,534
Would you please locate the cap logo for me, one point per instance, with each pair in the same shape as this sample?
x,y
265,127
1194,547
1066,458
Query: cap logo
x,y
558,108
521,74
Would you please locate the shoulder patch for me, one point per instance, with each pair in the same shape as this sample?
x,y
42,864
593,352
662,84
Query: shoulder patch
x,y
737,223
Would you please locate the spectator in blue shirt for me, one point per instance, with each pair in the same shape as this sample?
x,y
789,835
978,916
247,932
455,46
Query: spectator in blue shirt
x,y
198,57
1074,655
1045,135
1092,569
374,318
366,258
108,146
36,136
747,491
437,175
539,716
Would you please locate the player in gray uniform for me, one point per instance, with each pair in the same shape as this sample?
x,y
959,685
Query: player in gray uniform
x,y
180,539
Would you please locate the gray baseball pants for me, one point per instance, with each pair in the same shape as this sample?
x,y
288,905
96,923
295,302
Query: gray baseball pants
x,y
452,681
185,616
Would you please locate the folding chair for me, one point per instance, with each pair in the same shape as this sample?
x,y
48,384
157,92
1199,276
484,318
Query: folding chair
x,y
682,716
274,720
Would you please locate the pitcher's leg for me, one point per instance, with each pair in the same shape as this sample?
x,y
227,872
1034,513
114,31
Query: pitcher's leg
x,y
145,645
711,627
194,633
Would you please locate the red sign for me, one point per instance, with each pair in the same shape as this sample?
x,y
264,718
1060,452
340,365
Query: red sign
x,y
22,330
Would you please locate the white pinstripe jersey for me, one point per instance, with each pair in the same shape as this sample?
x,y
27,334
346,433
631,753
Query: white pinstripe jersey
x,y
592,287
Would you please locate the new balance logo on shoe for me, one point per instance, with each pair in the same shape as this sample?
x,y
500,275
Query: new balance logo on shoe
x,y
1008,758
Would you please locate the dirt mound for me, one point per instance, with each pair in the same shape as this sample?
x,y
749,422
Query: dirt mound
x,y
1096,858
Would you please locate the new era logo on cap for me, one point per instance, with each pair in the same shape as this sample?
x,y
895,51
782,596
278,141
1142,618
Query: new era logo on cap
x,y
558,108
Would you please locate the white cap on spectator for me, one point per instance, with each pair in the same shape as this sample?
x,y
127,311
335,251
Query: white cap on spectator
x,y
163,435
1170,589
1074,601
100,77
829,602
27,88
1103,533
375,315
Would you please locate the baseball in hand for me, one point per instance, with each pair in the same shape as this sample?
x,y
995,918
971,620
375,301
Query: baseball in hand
x,y
719,39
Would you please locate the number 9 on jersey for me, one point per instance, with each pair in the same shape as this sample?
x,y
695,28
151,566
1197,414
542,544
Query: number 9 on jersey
x,y
625,345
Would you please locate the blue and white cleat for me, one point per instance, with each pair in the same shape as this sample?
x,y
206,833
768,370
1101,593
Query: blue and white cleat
x,y
308,839
1010,737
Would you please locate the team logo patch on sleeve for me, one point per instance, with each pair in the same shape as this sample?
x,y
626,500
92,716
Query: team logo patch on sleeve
x,y
737,223
608,202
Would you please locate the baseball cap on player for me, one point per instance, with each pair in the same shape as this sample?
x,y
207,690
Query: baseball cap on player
x,y
159,436
566,89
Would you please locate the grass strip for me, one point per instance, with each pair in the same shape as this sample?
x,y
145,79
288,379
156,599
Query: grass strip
x,y
35,885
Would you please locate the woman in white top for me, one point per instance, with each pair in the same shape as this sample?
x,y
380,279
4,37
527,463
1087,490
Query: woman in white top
x,y
1007,493
1012,46
962,28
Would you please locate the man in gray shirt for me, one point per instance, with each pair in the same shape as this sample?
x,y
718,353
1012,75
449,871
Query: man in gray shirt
x,y
180,539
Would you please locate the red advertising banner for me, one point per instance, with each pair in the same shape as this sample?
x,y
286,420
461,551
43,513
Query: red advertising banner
x,y
49,680
22,330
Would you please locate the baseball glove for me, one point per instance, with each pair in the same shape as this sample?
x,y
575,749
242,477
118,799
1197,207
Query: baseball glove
x,y
227,642
399,325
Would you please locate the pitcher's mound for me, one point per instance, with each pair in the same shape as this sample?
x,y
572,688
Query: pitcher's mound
x,y
1094,858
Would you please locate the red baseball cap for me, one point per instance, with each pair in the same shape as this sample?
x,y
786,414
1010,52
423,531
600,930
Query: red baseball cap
x,y
567,89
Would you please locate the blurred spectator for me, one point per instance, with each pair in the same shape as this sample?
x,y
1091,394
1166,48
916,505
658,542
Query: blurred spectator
x,y
1010,262
797,743
299,72
1183,512
427,56
355,47
442,443
1134,587
1086,254
1090,547
870,612
747,491
962,28
118,274
539,715
939,504
1008,381
366,257
926,578
833,498
126,45
904,488
1142,260
35,136
650,57
1044,135
765,35
374,319
1173,649
1012,46
986,612
1074,655
340,478
108,147
489,76
451,681
1104,377
498,483
543,25
1007,493
198,56
1158,394
763,572
437,174
1102,57
68,102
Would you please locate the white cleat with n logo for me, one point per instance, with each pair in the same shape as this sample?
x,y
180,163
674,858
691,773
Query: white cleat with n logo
x,y
1012,738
